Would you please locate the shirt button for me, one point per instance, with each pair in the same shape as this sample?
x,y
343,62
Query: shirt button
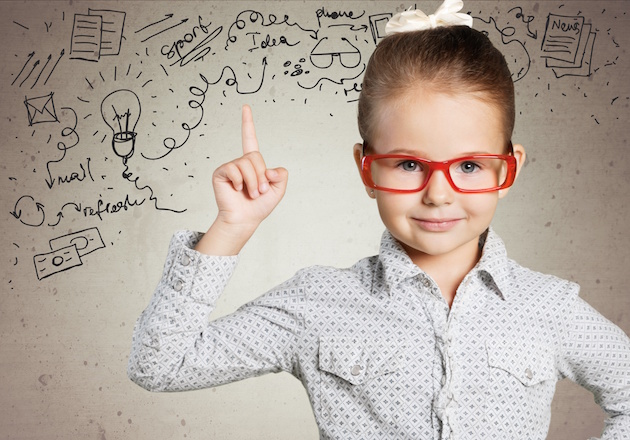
x,y
356,370
178,285
529,374
185,260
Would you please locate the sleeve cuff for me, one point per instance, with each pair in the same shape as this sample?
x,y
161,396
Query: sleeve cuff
x,y
193,274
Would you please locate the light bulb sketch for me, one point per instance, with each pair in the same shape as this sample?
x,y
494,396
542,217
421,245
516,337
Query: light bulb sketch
x,y
121,112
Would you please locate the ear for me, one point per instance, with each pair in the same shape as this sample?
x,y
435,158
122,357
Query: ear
x,y
520,155
357,152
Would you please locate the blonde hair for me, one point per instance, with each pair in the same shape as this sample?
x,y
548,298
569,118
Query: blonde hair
x,y
451,60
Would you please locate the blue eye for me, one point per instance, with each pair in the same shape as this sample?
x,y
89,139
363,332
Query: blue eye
x,y
410,165
469,167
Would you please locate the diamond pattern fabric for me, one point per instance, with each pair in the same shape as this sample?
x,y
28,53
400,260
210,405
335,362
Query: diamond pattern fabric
x,y
380,353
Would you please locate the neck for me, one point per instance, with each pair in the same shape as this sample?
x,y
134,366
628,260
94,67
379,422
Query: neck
x,y
448,270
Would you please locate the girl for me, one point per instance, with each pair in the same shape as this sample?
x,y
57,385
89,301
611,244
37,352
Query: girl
x,y
438,336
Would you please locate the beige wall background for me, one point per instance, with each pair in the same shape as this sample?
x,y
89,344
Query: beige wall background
x,y
86,227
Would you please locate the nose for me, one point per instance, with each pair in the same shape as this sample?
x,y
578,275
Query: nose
x,y
438,190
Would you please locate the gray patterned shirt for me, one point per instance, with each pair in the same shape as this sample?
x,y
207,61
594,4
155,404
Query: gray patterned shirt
x,y
380,353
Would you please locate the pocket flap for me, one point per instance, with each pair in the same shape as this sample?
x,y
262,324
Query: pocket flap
x,y
356,360
530,363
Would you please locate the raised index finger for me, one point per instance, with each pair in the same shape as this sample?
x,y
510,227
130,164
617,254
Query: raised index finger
x,y
248,132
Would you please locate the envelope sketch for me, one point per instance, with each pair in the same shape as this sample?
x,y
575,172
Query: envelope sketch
x,y
41,109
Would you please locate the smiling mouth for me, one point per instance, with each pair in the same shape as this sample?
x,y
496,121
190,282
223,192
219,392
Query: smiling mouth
x,y
437,225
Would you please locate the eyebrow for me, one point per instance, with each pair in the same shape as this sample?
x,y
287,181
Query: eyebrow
x,y
421,154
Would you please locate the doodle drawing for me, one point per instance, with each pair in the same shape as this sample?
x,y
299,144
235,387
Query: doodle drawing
x,y
41,109
121,112
56,261
85,241
97,34
85,43
323,54
66,252
377,26
568,45
112,30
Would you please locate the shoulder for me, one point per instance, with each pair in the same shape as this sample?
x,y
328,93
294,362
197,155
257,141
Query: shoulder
x,y
312,276
544,297
531,283
360,274
325,281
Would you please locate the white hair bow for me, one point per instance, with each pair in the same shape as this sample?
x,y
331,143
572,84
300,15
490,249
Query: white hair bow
x,y
416,20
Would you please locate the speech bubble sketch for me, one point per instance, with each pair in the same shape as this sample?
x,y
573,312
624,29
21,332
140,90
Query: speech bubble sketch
x,y
41,109
568,45
66,252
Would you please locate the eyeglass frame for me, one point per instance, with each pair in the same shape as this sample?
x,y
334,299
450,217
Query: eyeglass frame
x,y
444,166
332,55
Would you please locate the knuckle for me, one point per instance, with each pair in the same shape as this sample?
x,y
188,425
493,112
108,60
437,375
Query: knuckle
x,y
253,155
230,168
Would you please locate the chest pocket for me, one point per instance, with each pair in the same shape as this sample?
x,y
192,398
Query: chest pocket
x,y
360,378
528,362
358,360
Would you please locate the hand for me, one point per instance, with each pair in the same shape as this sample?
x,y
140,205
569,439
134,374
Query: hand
x,y
246,193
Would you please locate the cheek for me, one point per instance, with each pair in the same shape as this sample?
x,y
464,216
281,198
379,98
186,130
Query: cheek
x,y
481,205
385,207
392,207
391,203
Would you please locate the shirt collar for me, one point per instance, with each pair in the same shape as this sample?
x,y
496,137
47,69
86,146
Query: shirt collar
x,y
494,262
397,266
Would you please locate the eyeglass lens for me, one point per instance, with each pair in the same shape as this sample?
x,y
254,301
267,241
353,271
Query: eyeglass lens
x,y
470,174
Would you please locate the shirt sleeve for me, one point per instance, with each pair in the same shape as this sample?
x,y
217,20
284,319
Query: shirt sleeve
x,y
596,355
175,347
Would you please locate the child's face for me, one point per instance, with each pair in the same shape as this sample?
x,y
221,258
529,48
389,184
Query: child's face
x,y
438,221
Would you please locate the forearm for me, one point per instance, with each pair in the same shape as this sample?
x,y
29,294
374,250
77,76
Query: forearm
x,y
597,356
176,348
173,322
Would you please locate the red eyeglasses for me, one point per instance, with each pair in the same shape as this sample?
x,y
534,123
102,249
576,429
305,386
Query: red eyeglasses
x,y
476,173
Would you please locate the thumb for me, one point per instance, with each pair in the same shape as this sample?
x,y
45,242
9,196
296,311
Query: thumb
x,y
277,175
